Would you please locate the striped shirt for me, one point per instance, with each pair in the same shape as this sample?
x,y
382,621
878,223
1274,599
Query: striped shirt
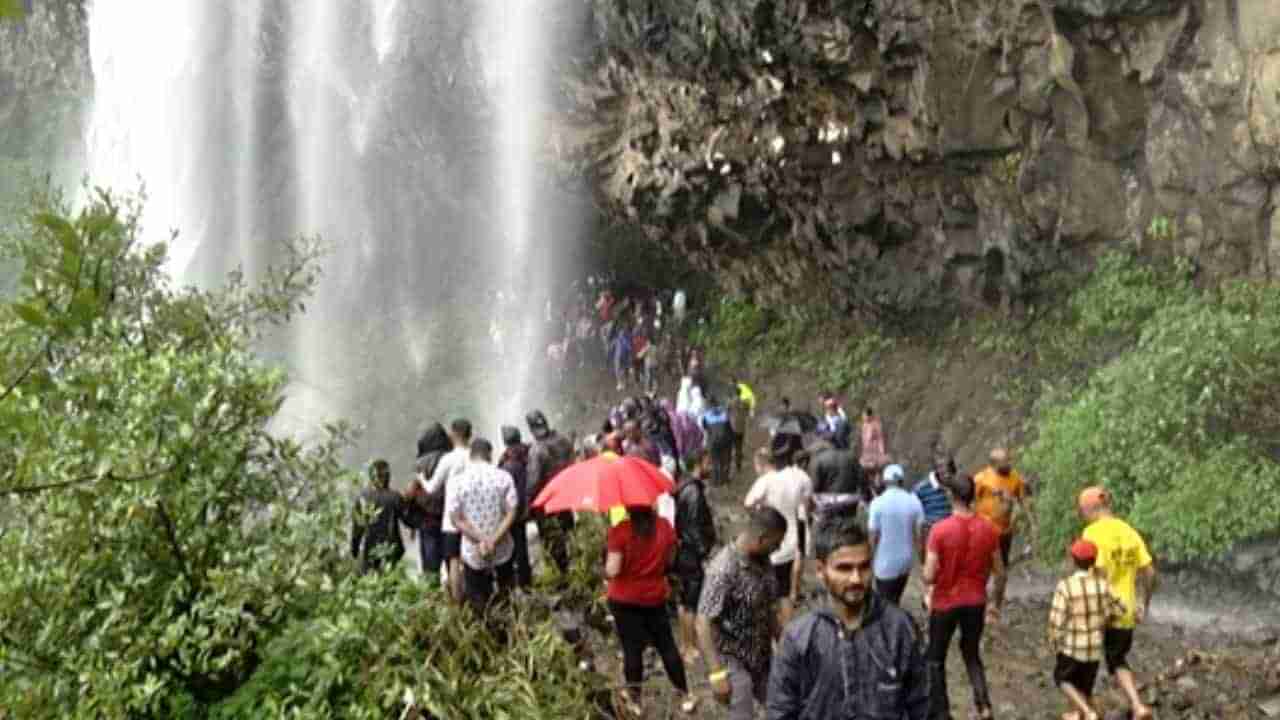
x,y
1083,608
937,506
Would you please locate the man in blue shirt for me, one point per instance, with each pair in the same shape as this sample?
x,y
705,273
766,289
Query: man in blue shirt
x,y
934,499
896,520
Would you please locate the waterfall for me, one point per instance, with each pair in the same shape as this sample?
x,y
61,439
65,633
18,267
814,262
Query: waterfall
x,y
405,135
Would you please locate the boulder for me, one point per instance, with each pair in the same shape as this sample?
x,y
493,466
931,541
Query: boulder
x,y
1118,8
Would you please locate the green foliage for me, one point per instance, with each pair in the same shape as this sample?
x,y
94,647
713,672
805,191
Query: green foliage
x,y
373,647
155,534
10,9
1162,228
854,365
1178,427
1123,293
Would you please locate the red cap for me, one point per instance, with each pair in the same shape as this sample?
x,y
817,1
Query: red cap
x,y
1084,551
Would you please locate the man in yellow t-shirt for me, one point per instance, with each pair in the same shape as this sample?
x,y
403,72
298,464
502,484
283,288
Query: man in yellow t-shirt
x,y
998,491
1126,563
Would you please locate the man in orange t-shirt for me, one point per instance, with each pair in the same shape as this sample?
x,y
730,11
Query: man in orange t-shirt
x,y
1000,491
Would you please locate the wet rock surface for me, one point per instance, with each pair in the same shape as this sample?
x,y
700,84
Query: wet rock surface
x,y
970,146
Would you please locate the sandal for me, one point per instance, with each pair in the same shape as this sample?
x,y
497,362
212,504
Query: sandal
x,y
689,705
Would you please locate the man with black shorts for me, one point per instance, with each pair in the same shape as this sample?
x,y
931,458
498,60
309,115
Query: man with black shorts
x,y
1083,609
1123,559
696,536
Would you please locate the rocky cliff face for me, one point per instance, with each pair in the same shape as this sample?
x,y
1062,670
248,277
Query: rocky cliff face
x,y
45,82
908,153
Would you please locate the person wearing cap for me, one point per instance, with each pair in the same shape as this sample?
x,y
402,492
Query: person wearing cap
x,y
895,521
515,461
1000,492
1083,608
551,453
964,579
1123,559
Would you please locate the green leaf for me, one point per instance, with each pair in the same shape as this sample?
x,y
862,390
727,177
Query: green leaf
x,y
11,9
32,315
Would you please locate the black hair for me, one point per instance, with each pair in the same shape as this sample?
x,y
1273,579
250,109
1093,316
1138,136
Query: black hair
x,y
1084,564
461,428
380,472
869,412
643,520
961,487
837,532
482,449
766,521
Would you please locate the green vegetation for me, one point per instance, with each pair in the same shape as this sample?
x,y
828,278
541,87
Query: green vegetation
x,y
163,554
1179,425
766,339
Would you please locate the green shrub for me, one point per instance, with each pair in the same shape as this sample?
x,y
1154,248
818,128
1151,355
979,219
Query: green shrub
x,y
1177,427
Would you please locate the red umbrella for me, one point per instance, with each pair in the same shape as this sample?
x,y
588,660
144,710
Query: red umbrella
x,y
602,483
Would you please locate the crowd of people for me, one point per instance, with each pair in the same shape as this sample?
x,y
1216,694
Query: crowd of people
x,y
819,506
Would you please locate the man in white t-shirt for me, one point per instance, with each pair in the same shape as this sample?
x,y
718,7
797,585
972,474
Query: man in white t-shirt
x,y
453,464
789,491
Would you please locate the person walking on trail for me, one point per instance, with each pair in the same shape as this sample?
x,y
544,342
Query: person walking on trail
x,y
696,533
1125,561
1083,608
858,657
375,523
639,550
742,410
839,488
872,455
515,462
451,466
834,426
551,453
718,429
1002,498
426,512
933,496
637,444
737,621
963,555
895,520
484,506
788,491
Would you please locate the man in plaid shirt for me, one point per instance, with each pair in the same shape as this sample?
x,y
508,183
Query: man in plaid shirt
x,y
1083,608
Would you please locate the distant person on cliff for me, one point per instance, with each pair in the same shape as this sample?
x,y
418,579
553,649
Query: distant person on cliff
x,y
872,455
718,430
375,524
962,556
858,656
1001,492
895,521
620,354
1083,608
551,453
515,462
1124,560
451,466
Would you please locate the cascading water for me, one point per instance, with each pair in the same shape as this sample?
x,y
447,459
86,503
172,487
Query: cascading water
x,y
405,135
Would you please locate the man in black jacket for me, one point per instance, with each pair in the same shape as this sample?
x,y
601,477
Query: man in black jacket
x,y
696,537
551,453
375,526
515,460
859,658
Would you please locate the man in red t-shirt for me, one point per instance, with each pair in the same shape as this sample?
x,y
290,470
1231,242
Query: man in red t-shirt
x,y
963,556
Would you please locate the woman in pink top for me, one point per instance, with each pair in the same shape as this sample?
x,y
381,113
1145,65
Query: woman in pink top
x,y
873,455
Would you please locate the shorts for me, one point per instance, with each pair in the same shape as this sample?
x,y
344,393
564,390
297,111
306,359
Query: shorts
x,y
1077,674
1116,644
690,589
783,574
452,546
